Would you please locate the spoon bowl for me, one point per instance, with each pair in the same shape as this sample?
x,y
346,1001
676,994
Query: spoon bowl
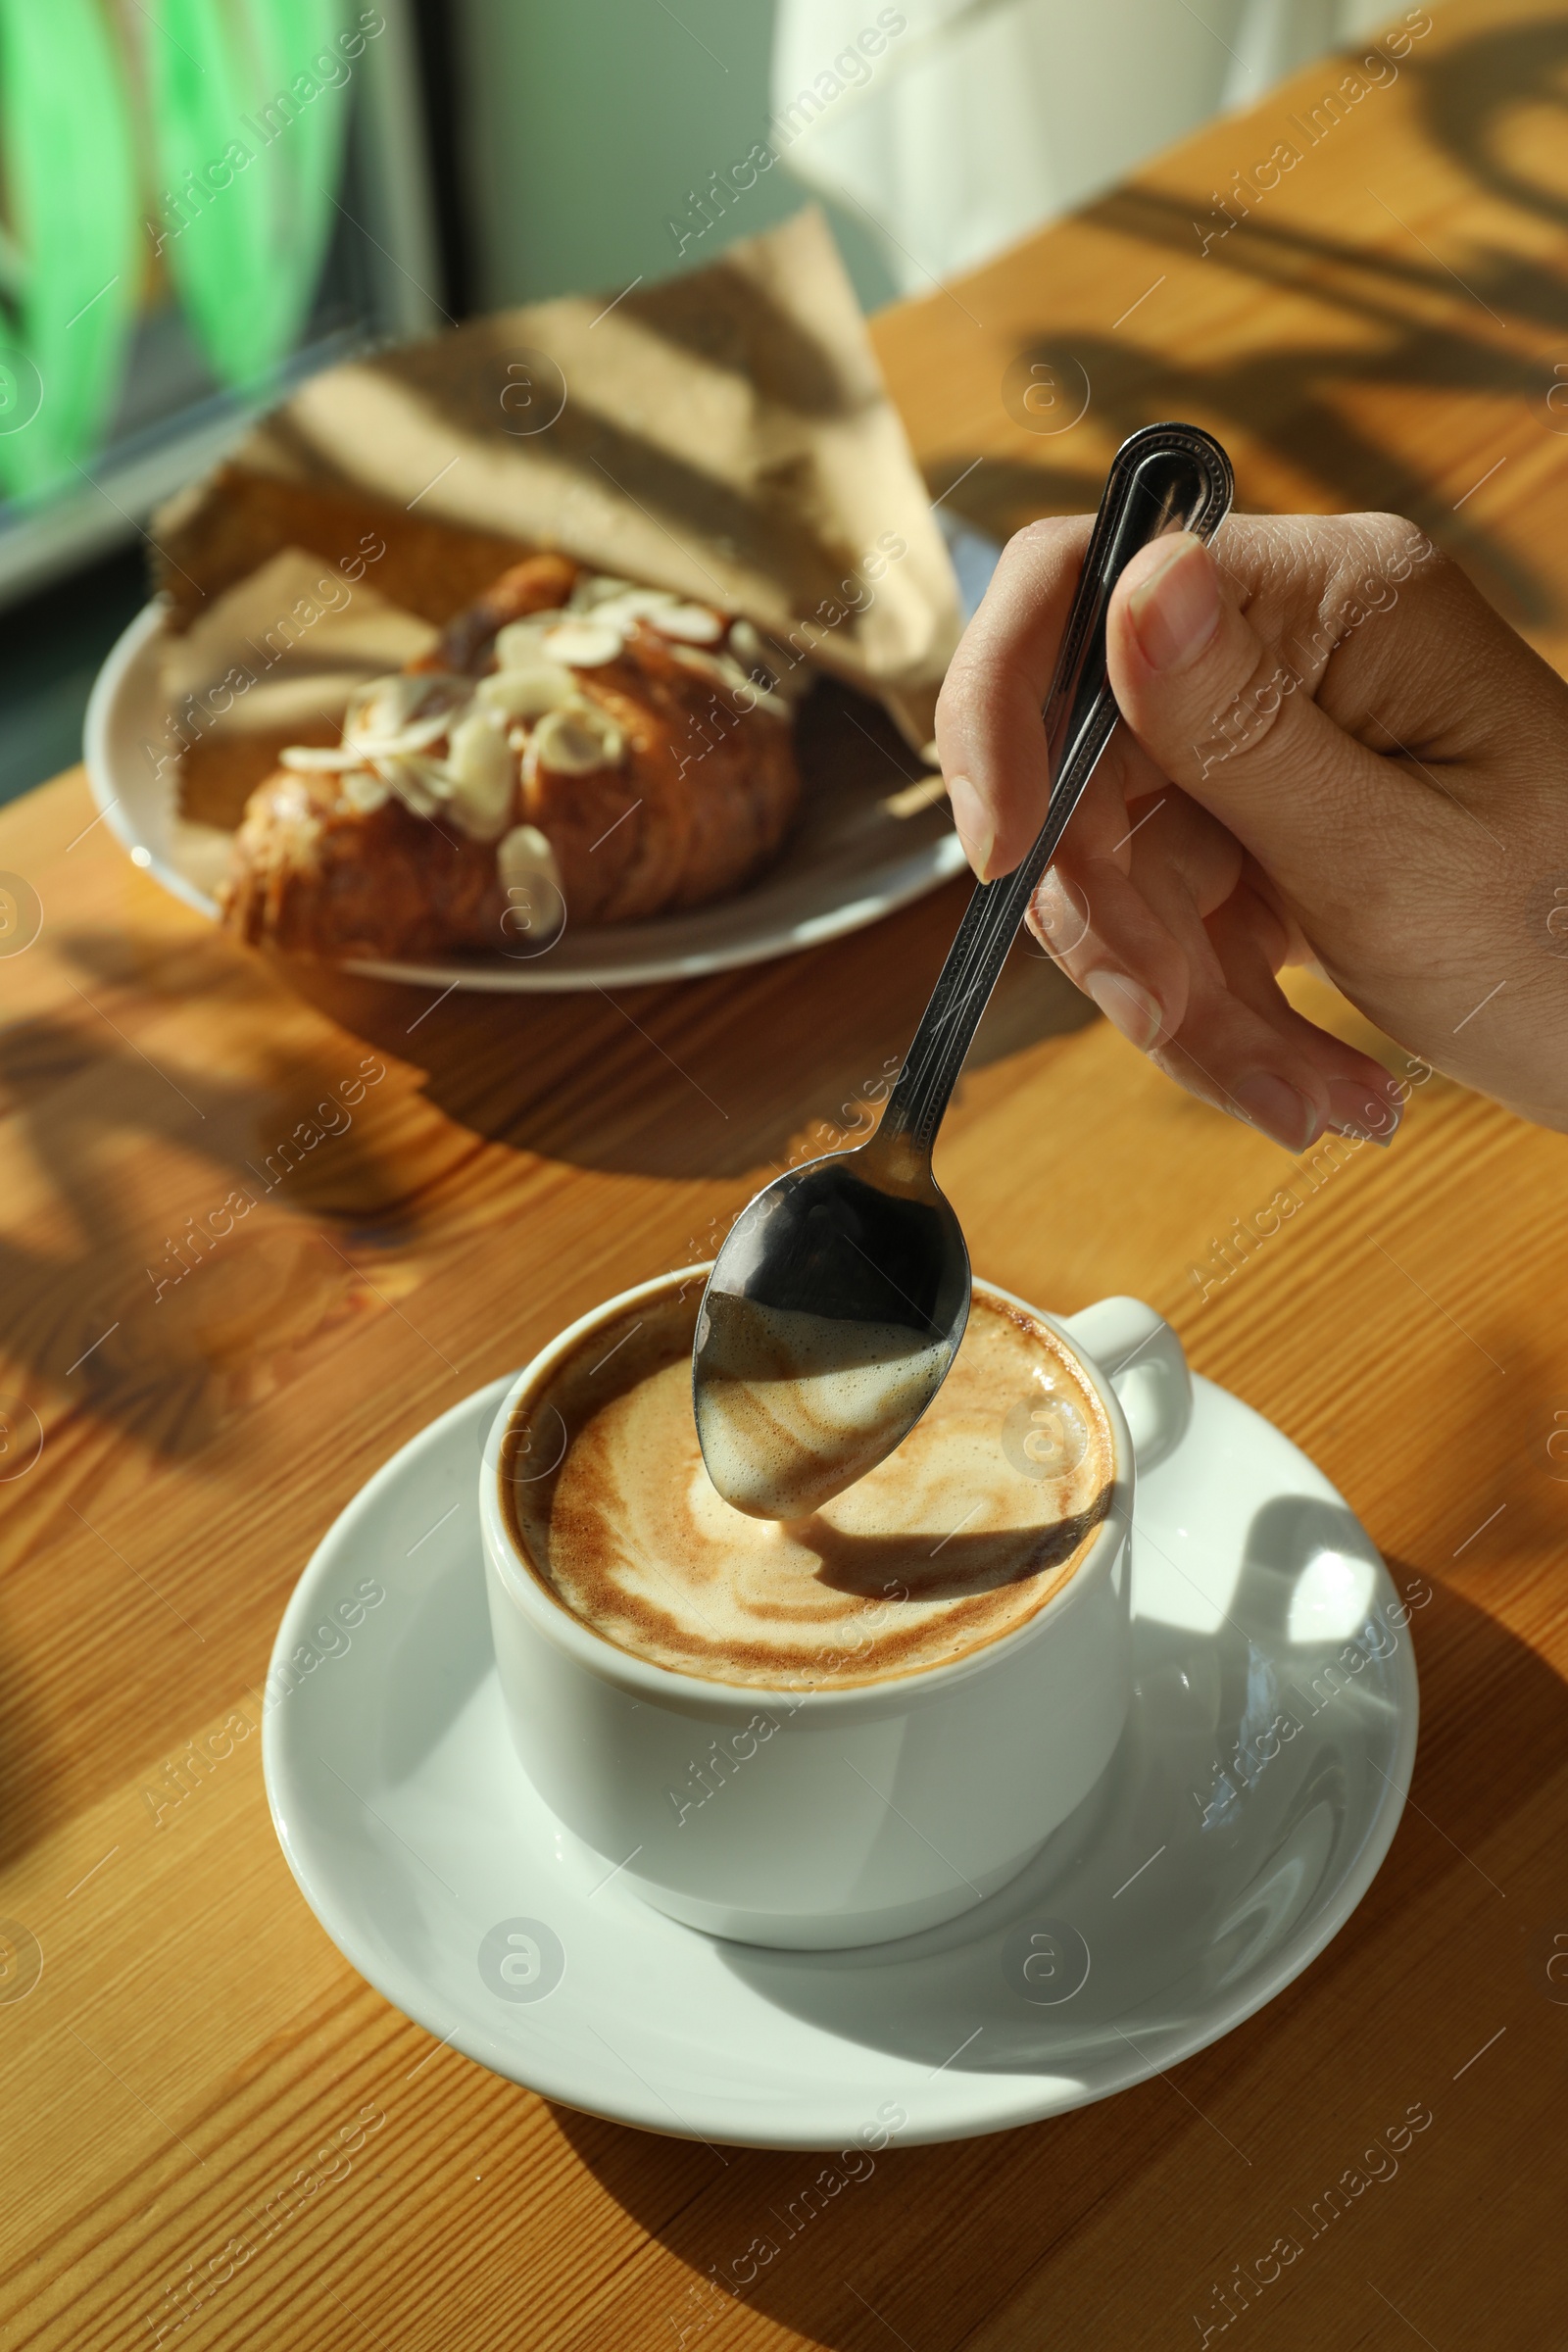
x,y
828,1324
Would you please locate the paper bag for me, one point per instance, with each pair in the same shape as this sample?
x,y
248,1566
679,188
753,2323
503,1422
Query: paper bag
x,y
725,434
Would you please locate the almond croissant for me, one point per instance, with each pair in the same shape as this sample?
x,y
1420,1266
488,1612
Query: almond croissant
x,y
578,750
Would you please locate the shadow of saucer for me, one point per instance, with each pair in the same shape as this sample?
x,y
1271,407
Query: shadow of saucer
x,y
699,1078
1257,1827
926,2241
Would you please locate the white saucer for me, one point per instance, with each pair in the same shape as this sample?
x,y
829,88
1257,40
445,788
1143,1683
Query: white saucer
x,y
849,860
1192,1887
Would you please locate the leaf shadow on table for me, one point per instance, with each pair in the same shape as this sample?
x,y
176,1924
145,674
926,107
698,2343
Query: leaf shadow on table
x,y
133,1321
1297,403
928,2240
709,1078
117,1307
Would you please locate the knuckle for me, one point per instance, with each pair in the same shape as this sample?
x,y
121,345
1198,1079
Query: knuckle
x,y
1390,547
1249,705
1388,528
1045,530
950,699
1038,558
971,679
975,659
1012,680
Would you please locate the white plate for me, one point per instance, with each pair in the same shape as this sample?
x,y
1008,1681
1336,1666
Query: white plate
x,y
847,863
1188,1890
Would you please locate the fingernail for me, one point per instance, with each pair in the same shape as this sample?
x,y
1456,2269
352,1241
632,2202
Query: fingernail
x,y
1278,1110
973,821
1176,610
1127,1007
1361,1111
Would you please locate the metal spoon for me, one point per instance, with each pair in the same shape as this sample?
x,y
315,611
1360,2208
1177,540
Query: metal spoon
x,y
839,1297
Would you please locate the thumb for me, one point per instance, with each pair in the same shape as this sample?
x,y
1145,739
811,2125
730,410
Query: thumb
x,y
1222,712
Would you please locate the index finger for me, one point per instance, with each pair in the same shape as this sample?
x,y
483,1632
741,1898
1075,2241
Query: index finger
x,y
991,738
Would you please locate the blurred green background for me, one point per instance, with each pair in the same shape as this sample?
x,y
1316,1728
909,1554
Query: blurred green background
x,y
592,124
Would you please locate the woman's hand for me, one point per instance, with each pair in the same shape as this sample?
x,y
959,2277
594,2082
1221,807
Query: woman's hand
x,y
1332,749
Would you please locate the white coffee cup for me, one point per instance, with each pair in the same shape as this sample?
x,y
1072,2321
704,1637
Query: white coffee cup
x,y
836,1816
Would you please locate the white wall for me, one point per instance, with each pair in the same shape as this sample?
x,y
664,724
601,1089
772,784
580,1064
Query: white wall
x,y
593,122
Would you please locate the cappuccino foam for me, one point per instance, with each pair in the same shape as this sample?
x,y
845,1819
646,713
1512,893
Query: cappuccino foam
x,y
976,1520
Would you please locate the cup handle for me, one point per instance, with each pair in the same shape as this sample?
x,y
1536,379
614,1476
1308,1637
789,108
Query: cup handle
x,y
1141,1357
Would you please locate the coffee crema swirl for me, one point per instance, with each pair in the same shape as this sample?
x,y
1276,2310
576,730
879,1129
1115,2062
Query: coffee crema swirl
x,y
964,1532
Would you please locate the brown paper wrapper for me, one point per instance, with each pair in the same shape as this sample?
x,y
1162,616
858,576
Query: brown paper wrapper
x,y
303,638
725,434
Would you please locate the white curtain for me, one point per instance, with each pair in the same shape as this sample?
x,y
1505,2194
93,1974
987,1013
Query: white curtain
x,y
951,127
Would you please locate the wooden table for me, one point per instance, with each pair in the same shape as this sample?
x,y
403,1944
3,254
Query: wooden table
x,y
1383,330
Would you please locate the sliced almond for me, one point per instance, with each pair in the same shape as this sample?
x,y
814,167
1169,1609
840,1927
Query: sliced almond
x,y
584,644
517,644
575,743
483,778
524,851
421,785
385,703
529,690
417,736
362,792
726,672
693,624
529,876
388,704
637,604
595,588
705,665
309,760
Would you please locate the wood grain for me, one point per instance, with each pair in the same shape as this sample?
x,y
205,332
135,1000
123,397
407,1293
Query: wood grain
x,y
1381,330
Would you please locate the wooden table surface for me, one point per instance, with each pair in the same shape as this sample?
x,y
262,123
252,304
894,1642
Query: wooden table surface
x,y
1384,327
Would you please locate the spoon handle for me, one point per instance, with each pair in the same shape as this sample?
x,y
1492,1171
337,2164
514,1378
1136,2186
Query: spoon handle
x,y
1165,477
